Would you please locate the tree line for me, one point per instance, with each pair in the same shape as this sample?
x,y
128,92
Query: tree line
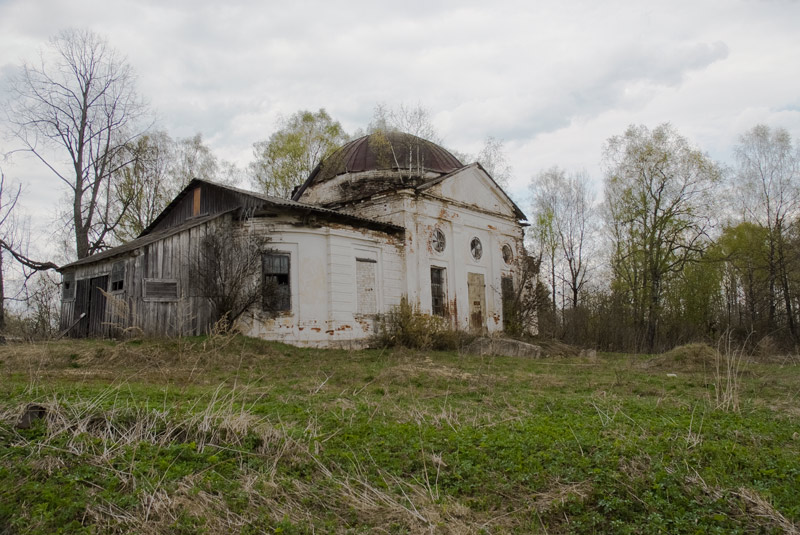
x,y
679,249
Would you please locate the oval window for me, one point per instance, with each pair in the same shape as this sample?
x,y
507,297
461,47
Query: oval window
x,y
438,241
476,248
508,254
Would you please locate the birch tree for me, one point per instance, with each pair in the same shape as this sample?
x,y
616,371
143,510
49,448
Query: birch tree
x,y
285,160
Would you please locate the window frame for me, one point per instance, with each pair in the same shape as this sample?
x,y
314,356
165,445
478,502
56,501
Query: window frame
x,y
160,298
441,309
476,248
116,268
285,304
69,281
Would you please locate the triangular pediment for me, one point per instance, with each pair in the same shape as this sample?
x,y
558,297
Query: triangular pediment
x,y
473,186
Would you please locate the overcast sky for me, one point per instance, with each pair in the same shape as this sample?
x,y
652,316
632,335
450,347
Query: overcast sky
x,y
552,79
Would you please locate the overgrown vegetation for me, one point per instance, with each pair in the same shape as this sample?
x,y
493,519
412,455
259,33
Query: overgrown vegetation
x,y
227,271
406,326
232,435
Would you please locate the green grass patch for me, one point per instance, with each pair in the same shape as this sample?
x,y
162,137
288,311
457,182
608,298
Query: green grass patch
x,y
234,435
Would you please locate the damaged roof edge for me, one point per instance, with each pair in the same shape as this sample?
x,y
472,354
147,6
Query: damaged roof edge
x,y
288,204
142,240
149,236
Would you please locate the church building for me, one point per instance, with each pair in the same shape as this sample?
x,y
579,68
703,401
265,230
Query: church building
x,y
386,216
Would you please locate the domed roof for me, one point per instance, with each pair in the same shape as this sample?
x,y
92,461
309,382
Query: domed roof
x,y
383,151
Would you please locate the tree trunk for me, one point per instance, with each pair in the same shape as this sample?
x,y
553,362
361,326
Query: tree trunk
x,y
787,296
2,298
771,291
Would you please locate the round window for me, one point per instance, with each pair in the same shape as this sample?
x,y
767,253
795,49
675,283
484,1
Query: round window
x,y
476,248
508,254
438,241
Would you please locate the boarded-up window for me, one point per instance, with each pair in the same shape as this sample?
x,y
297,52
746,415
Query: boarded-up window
x,y
118,277
161,289
365,286
196,203
277,296
438,291
68,286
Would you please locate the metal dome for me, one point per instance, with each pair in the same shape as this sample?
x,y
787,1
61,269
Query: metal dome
x,y
383,151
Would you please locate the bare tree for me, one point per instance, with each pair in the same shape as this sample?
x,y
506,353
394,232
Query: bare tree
x,y
414,120
574,225
79,99
493,158
227,270
8,200
147,184
193,158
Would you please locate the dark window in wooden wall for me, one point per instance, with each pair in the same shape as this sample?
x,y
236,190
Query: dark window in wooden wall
x,y
118,276
68,286
277,290
438,291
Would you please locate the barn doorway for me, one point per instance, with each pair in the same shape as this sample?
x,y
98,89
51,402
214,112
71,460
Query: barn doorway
x,y
476,289
90,300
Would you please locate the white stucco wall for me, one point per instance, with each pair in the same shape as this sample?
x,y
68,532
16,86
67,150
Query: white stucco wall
x,y
464,206
323,282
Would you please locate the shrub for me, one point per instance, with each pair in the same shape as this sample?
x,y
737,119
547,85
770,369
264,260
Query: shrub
x,y
406,326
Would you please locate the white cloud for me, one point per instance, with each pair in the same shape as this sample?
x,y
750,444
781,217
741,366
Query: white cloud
x,y
554,80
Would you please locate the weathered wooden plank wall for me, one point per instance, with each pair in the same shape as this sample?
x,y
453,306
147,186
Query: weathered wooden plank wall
x,y
130,310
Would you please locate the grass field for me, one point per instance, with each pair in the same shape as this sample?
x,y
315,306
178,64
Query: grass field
x,y
232,435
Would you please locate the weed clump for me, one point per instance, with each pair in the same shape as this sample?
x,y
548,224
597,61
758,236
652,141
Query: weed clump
x,y
689,357
406,326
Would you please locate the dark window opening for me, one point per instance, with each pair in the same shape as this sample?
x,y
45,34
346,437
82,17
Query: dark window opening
x,y
68,286
118,277
438,293
276,289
